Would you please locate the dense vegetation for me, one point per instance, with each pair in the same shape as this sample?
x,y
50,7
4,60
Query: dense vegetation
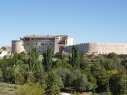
x,y
49,74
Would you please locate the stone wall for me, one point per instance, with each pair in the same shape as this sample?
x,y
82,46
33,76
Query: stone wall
x,y
100,48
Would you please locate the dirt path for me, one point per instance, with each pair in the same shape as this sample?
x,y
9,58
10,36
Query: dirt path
x,y
7,89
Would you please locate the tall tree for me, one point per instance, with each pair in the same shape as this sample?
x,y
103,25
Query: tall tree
x,y
75,60
33,61
48,58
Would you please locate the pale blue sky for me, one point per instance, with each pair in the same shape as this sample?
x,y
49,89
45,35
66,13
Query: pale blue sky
x,y
84,20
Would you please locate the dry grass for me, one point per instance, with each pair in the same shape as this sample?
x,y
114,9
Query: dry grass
x,y
29,89
10,89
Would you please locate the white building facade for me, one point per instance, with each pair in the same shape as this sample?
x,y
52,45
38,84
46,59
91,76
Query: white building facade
x,y
41,43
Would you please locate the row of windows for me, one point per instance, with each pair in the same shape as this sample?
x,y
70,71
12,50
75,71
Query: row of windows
x,y
42,43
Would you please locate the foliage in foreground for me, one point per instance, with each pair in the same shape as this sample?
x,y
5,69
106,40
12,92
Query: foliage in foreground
x,y
71,73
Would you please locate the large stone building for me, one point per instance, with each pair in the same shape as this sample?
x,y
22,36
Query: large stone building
x,y
99,48
18,46
41,43
63,43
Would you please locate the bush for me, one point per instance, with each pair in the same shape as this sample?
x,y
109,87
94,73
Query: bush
x,y
53,84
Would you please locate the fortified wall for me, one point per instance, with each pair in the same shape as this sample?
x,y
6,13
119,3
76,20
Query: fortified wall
x,y
100,48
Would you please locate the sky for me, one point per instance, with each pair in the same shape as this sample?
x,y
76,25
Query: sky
x,y
84,20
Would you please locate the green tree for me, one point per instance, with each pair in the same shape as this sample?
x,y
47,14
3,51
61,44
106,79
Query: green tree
x,y
35,69
119,84
53,85
21,73
48,59
123,84
66,76
101,76
39,73
81,83
8,74
75,59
